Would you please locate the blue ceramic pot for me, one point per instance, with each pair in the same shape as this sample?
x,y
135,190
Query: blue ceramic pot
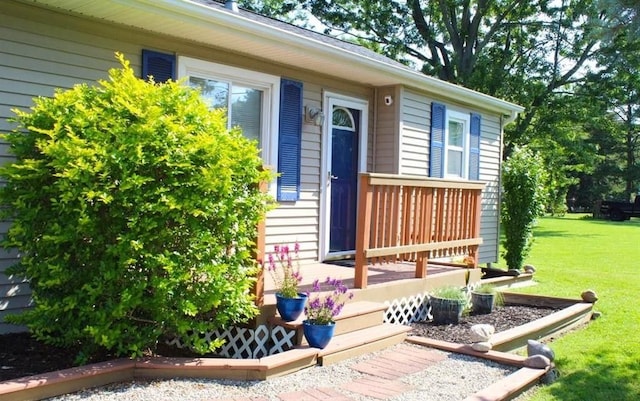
x,y
290,308
318,335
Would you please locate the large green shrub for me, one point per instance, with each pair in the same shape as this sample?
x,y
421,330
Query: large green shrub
x,y
135,211
523,200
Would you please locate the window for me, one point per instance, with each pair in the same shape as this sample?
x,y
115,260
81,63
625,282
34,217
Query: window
x,y
243,104
457,144
249,98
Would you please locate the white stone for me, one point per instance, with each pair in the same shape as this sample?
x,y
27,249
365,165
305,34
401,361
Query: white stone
x,y
589,296
537,362
482,346
529,269
481,332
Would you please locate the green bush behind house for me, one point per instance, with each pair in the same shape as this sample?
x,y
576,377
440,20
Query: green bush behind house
x,y
135,211
523,200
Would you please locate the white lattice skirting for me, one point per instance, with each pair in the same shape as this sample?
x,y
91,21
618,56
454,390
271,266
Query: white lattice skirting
x,y
243,343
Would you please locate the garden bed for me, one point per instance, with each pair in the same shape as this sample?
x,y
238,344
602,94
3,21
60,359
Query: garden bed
x,y
566,314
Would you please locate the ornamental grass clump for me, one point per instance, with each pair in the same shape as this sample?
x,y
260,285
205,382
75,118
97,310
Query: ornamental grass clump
x,y
285,273
331,296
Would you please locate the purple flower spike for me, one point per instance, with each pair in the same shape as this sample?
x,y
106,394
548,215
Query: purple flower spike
x,y
322,308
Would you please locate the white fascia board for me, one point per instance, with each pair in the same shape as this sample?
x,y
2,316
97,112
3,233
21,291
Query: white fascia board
x,y
199,14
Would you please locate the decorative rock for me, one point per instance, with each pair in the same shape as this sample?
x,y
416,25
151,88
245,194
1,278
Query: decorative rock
x,y
513,272
596,315
537,362
589,296
481,332
551,376
537,348
482,346
529,269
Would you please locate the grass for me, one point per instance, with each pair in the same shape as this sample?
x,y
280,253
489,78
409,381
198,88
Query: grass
x,y
575,253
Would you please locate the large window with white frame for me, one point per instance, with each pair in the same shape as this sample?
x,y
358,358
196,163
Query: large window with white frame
x,y
456,142
249,98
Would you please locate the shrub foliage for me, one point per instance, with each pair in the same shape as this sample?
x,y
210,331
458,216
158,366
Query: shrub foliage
x,y
135,211
523,200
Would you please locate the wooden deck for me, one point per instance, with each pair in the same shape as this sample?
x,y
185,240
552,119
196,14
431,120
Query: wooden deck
x,y
386,282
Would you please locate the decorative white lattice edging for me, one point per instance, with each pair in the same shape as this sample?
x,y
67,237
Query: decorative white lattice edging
x,y
266,340
407,310
281,340
243,343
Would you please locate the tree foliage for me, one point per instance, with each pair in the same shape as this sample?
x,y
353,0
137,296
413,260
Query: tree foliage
x,y
523,201
532,53
135,212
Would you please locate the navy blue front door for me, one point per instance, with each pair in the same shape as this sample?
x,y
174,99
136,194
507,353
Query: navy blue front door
x,y
344,180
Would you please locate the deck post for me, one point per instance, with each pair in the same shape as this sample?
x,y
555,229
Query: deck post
x,y
475,225
363,231
258,256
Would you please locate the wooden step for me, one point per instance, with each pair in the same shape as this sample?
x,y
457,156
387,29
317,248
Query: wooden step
x,y
288,362
354,316
362,341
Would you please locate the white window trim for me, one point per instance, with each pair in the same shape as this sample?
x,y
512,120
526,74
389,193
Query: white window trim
x,y
269,84
465,118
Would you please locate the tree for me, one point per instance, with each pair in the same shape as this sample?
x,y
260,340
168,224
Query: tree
x,y
136,212
616,88
518,50
523,200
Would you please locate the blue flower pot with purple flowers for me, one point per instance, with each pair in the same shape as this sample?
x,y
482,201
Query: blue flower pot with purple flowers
x,y
290,308
318,335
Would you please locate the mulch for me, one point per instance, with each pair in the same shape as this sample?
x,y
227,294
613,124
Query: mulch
x,y
21,355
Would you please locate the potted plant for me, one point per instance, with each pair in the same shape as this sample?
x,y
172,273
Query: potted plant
x,y
447,304
484,298
327,303
289,302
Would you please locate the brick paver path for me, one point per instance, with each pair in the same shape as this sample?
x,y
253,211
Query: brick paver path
x,y
313,394
401,361
381,380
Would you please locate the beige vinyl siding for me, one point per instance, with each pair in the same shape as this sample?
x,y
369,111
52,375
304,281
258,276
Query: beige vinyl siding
x,y
386,132
42,50
415,128
414,159
490,156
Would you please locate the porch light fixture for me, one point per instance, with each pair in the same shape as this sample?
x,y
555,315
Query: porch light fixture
x,y
313,115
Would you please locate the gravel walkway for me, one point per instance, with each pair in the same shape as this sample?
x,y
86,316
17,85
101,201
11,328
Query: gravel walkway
x,y
451,378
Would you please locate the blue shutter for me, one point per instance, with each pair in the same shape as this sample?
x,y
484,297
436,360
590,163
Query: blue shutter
x,y
289,138
474,147
161,66
436,154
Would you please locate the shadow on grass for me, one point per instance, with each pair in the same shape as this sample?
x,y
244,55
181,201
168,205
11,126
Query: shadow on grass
x,y
606,379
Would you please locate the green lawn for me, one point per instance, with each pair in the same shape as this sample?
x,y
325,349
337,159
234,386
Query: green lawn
x,y
574,253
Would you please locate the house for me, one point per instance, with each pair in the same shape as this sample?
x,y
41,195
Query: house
x,y
323,110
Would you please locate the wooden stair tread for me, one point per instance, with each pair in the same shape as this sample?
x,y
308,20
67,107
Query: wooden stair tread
x,y
362,337
350,310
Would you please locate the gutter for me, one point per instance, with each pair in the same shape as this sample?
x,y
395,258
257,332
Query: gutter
x,y
196,13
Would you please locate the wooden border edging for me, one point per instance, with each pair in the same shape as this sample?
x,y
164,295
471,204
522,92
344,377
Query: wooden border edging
x,y
509,386
99,374
496,356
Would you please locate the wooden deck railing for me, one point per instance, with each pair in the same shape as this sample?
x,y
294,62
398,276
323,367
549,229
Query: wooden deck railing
x,y
407,218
